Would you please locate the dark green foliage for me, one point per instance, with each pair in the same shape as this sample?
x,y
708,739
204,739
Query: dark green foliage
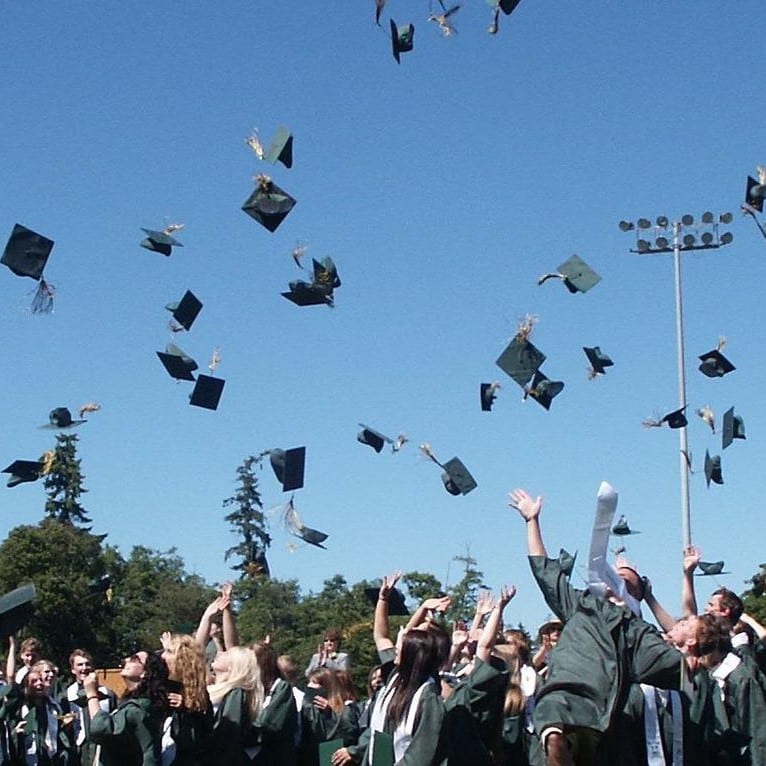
x,y
421,585
754,597
464,592
64,483
247,519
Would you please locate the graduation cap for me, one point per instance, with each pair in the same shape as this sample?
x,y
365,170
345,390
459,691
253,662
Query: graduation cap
x,y
675,419
401,39
295,525
598,361
26,254
207,392
16,609
508,6
622,529
178,364
61,417
733,428
372,438
281,148
713,469
577,276
709,568
268,204
715,364
24,470
543,390
161,241
754,194
186,310
396,607
320,291
520,360
289,466
456,477
487,395
257,565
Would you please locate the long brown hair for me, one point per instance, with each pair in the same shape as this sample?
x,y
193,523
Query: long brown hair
x,y
189,668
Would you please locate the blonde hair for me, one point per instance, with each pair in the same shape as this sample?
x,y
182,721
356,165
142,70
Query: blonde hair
x,y
245,674
189,668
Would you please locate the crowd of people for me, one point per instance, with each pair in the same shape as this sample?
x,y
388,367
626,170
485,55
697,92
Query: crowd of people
x,y
603,686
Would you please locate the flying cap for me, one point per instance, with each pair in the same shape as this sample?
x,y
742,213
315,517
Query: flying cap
x,y
675,419
178,364
753,194
733,428
598,360
402,39
207,392
621,528
26,252
520,360
268,204
372,438
281,148
22,471
396,607
543,390
715,364
312,536
61,417
487,395
16,609
708,568
289,466
160,241
457,478
508,6
186,310
576,275
713,469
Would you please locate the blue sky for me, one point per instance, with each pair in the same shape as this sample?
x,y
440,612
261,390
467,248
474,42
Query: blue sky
x,y
443,188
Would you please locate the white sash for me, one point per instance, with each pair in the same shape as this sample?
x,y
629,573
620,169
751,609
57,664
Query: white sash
x,y
729,663
655,755
51,731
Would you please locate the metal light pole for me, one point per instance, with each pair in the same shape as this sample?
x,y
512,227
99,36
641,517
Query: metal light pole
x,y
709,239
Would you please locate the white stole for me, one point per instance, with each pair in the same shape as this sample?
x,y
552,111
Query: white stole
x,y
729,663
51,731
655,755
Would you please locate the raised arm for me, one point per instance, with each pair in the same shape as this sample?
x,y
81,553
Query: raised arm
x,y
489,634
380,631
202,635
228,624
692,557
760,631
10,661
664,619
530,508
420,615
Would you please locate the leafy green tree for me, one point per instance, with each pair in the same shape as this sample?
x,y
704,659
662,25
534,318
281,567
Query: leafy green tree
x,y
421,585
248,522
754,597
64,483
464,592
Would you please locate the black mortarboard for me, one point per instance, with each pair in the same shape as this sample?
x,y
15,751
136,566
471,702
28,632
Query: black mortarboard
x,y
207,392
396,607
326,273
709,568
186,310
22,471
508,6
268,204
159,241
100,584
733,428
521,360
713,469
178,364
305,294
26,252
715,364
543,390
281,148
487,394
402,39
675,419
621,528
598,359
753,197
288,466
312,536
16,609
457,478
576,275
372,438
61,417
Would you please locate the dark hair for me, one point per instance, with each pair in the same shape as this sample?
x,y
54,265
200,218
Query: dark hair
x,y
731,601
267,661
332,634
153,684
712,634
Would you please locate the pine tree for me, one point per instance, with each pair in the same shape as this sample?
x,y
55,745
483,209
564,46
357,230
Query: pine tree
x,y
465,592
64,483
248,522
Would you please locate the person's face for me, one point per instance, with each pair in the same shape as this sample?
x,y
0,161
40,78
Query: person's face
x,y
29,658
35,684
331,645
715,607
376,680
221,665
133,667
48,675
683,634
81,666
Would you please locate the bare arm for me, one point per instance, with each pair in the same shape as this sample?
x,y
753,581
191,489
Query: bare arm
x,y
489,634
760,631
10,662
420,615
228,624
530,508
664,619
202,635
380,631
692,557
484,606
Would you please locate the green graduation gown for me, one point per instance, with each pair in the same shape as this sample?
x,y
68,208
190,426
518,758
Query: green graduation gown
x,y
129,736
